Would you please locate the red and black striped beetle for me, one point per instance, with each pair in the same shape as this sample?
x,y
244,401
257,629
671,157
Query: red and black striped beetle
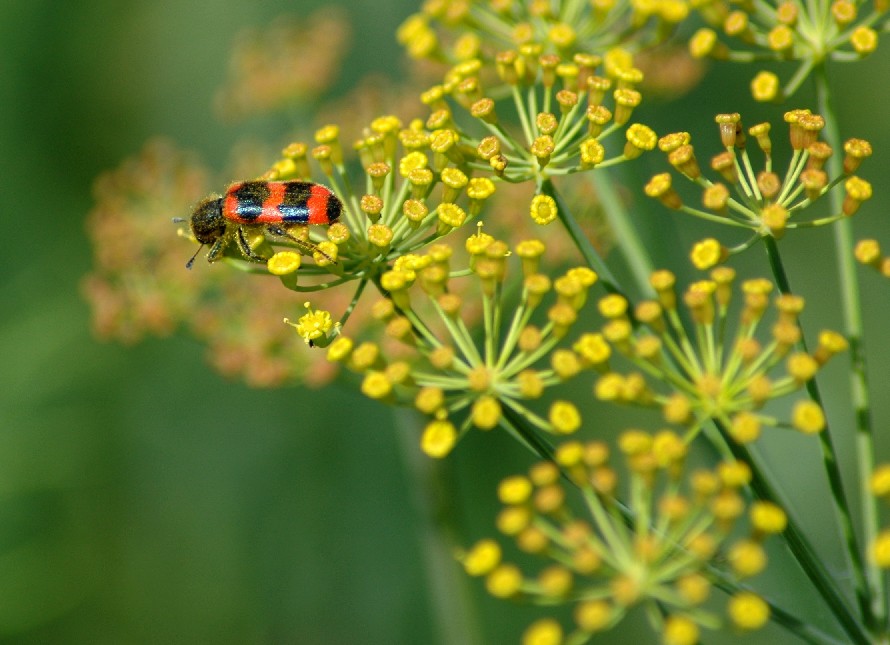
x,y
279,207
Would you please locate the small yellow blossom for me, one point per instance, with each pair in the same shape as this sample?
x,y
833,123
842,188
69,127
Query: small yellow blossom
x,y
438,438
880,481
880,549
564,417
765,87
482,558
545,631
808,417
313,325
593,615
680,630
748,611
543,209
707,254
747,558
504,581
284,263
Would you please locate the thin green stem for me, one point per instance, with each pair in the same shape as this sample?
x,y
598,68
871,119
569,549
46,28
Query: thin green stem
x,y
449,593
851,307
516,425
829,455
590,254
804,553
638,258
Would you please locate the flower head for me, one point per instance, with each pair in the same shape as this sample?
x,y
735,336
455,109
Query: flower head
x,y
714,373
646,537
789,32
767,202
458,381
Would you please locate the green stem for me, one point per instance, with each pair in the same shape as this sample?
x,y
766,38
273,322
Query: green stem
x,y
829,456
449,593
590,254
638,259
851,306
518,427
803,551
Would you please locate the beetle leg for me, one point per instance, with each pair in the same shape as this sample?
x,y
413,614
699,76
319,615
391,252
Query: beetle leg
x,y
306,246
216,250
243,245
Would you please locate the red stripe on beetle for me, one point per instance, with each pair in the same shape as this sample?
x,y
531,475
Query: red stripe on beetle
x,y
271,214
230,204
318,205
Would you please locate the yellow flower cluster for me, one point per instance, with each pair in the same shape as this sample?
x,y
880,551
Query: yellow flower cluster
x,y
785,30
767,202
416,189
566,109
713,373
458,30
452,379
653,546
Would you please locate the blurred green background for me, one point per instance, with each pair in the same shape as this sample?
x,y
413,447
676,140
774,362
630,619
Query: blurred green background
x,y
144,499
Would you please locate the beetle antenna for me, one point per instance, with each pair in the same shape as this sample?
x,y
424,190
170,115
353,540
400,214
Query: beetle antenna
x,y
188,265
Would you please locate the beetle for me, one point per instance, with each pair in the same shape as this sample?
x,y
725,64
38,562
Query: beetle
x,y
281,208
